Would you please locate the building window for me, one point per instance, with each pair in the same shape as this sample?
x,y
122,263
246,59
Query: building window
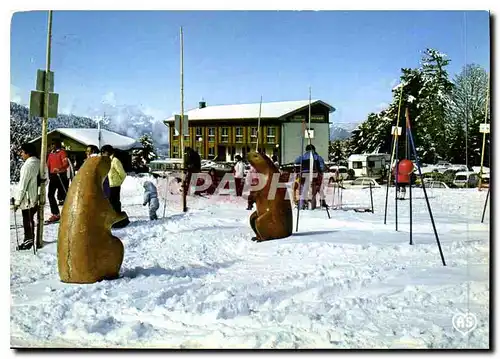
x,y
299,117
239,134
271,135
211,134
371,164
175,133
175,151
317,117
211,152
224,136
199,132
253,134
357,164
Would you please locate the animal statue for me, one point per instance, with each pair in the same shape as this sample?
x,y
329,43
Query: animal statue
x,y
273,218
87,252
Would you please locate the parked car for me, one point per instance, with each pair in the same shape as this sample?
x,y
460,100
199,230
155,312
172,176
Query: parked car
x,y
463,179
362,182
434,184
341,169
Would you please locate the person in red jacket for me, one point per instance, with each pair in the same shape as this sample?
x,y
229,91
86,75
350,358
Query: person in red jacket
x,y
57,164
404,170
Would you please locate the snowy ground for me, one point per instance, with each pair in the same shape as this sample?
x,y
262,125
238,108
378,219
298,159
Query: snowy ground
x,y
195,280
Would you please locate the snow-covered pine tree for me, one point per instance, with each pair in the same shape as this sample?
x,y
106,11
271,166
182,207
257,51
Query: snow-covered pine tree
x,y
141,157
468,100
372,136
430,124
338,151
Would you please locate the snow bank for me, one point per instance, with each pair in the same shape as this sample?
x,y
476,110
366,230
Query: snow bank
x,y
195,280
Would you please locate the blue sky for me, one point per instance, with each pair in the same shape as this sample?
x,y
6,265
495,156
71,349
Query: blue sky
x,y
350,59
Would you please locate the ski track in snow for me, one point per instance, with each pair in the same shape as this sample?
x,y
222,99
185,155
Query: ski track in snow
x,y
195,280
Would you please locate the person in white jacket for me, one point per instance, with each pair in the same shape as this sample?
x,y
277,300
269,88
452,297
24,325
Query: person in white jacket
x,y
239,175
27,193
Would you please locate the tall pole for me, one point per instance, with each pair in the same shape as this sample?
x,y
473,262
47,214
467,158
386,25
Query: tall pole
x,y
408,156
43,151
414,150
393,145
484,133
309,133
301,190
181,134
485,203
311,157
258,125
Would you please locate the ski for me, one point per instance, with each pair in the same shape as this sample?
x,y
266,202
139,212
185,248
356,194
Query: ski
x,y
50,222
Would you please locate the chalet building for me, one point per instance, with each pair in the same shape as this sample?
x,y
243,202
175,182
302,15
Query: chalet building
x,y
221,132
76,140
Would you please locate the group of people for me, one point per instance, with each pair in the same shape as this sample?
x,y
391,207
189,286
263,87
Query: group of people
x,y
60,172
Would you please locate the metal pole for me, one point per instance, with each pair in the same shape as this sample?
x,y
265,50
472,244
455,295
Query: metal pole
x,y
485,203
12,202
258,125
408,157
396,187
311,156
423,187
301,190
43,152
484,133
393,145
389,176
411,217
371,195
181,134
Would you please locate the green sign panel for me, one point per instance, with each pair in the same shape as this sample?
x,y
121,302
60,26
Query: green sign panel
x,y
37,104
40,80
185,125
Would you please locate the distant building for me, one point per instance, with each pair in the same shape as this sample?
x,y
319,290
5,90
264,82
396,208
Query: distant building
x,y
221,132
76,140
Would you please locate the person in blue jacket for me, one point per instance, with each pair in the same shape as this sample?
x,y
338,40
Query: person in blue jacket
x,y
318,168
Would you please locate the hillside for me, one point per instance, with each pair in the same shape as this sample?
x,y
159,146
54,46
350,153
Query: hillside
x,y
124,120
341,131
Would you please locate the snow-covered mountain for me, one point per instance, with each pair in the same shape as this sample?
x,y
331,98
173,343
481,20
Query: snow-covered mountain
x,y
132,121
341,131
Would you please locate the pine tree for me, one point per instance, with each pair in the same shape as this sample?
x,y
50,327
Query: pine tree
x,y
467,112
338,151
146,154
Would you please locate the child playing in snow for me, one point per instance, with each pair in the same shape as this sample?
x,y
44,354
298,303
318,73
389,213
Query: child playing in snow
x,y
151,198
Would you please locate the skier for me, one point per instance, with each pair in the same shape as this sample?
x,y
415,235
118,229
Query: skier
x,y
193,165
251,180
318,169
57,164
116,176
239,175
27,194
151,198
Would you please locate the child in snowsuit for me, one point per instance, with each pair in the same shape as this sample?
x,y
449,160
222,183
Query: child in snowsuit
x,y
151,198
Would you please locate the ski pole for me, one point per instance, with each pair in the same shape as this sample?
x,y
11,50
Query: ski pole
x,y
12,201
165,200
62,184
33,229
